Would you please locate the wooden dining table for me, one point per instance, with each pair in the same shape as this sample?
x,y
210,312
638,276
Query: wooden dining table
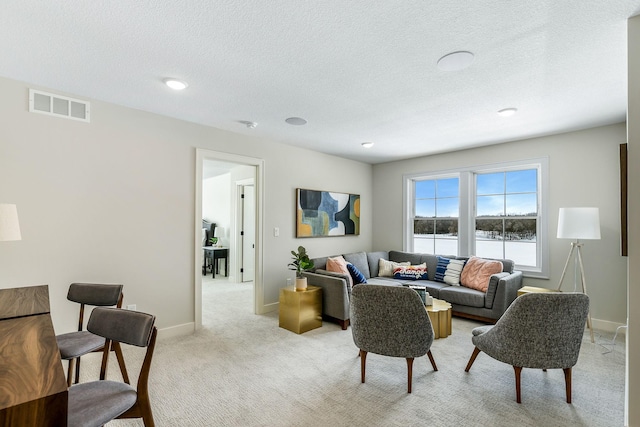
x,y
33,388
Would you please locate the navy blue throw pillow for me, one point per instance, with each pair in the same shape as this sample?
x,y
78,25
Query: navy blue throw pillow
x,y
356,275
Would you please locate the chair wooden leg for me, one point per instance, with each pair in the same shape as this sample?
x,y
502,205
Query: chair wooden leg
x,y
518,371
72,363
433,362
77,380
475,353
567,381
123,368
363,362
409,372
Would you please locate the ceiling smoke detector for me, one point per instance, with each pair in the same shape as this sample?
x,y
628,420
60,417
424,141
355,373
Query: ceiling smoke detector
x,y
248,124
296,121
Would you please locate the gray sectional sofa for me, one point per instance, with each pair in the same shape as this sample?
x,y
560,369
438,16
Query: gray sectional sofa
x,y
465,302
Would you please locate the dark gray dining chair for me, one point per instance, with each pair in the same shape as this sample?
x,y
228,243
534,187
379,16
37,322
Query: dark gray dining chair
x,y
539,331
95,403
73,345
391,321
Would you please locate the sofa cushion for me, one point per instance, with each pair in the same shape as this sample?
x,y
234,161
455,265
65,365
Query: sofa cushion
x,y
374,262
453,272
359,260
356,275
441,268
386,267
413,258
339,265
411,272
433,288
477,272
386,281
319,263
462,296
508,265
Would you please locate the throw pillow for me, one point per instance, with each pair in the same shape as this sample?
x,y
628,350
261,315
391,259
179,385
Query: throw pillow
x,y
441,269
356,275
339,265
411,272
385,267
454,269
477,272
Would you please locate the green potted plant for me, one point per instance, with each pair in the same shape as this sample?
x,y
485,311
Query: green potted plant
x,y
300,263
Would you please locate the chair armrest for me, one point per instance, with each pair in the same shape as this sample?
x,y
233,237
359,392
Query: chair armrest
x,y
502,290
335,292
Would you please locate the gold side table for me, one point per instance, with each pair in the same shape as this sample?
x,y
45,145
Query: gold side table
x,y
301,311
440,316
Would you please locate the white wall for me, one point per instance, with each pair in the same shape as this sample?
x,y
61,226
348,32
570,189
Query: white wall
x,y
584,171
114,201
216,204
633,120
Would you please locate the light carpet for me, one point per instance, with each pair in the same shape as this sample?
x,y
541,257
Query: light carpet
x,y
241,369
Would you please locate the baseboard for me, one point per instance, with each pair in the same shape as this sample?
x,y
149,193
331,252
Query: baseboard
x,y
268,308
176,331
608,326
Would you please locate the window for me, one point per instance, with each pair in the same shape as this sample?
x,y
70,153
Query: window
x,y
493,212
507,216
435,224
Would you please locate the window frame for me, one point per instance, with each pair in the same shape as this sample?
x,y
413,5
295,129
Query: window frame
x,y
467,206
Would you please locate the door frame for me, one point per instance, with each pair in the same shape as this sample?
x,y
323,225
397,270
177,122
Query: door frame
x,y
258,283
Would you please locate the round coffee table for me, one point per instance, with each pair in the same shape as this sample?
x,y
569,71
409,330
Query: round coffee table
x,y
440,315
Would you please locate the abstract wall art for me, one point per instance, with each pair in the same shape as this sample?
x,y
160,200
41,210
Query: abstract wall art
x,y
326,213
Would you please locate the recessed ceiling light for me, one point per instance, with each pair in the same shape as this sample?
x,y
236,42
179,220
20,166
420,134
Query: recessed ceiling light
x,y
247,123
367,144
507,112
296,121
175,84
455,61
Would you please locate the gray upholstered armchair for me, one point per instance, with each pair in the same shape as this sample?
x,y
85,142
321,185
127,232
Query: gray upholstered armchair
x,y
539,331
391,321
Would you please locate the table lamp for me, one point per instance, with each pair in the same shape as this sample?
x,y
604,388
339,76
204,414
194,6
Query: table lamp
x,y
9,225
578,224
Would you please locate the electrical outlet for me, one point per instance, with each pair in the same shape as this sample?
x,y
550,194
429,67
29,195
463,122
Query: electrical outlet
x,y
276,232
131,307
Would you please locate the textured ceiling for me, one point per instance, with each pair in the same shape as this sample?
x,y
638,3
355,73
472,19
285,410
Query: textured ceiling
x,y
358,70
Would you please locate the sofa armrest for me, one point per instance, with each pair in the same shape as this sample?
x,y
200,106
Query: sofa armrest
x,y
335,292
502,290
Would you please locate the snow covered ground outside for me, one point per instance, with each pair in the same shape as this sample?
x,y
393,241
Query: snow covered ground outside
x,y
522,252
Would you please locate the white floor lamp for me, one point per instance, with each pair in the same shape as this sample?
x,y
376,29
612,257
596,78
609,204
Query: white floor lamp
x,y
9,226
578,224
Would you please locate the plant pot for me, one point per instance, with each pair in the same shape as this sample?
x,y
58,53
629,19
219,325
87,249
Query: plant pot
x,y
301,283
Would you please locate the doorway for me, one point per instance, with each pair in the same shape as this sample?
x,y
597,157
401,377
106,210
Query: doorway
x,y
246,174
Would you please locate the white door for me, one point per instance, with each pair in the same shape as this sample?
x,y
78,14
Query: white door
x,y
248,233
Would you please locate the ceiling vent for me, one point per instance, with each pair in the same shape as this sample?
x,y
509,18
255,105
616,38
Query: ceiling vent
x,y
57,105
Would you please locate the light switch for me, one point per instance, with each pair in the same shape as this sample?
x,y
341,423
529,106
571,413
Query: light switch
x,y
276,231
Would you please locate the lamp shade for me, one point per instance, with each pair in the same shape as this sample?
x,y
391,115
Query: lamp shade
x,y
9,226
579,223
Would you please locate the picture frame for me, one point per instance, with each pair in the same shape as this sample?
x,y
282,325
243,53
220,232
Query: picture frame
x,y
326,213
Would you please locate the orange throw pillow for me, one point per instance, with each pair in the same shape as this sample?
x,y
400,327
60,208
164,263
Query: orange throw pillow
x,y
477,272
339,265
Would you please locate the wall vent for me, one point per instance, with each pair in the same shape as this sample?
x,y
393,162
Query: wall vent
x,y
59,106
